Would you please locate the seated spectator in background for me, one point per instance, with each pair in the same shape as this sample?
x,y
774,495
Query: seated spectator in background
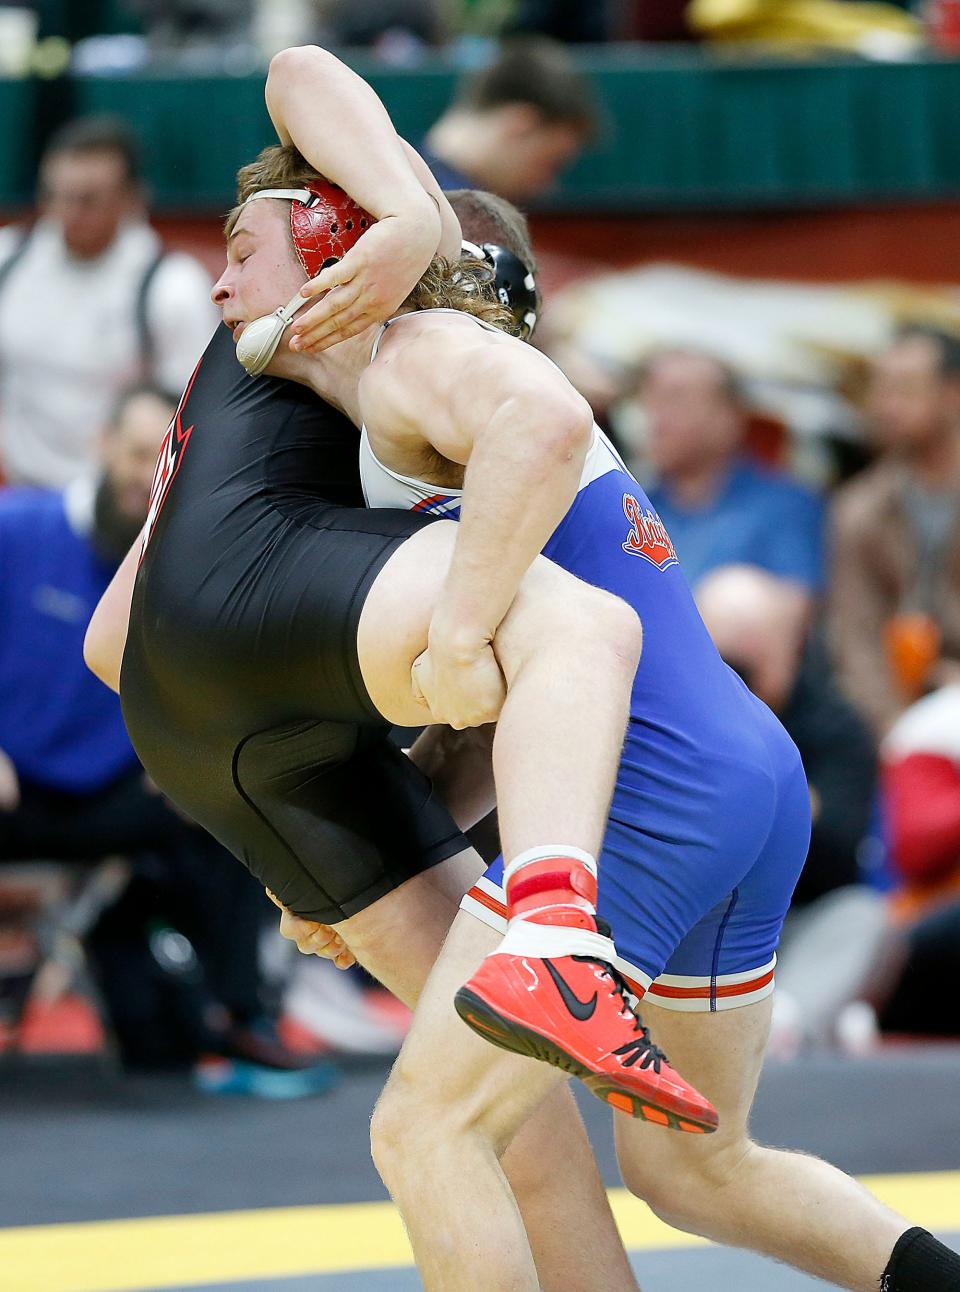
x,y
749,613
515,125
71,787
921,772
895,585
719,506
836,926
89,303
920,758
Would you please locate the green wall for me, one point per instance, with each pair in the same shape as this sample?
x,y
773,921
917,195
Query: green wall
x,y
682,130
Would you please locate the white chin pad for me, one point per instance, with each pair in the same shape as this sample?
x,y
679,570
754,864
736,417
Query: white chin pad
x,y
259,340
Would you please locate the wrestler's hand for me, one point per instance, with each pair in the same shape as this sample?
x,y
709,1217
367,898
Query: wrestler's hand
x,y
372,280
9,784
313,939
460,682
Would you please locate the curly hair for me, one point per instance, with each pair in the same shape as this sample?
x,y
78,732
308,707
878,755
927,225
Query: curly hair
x,y
465,285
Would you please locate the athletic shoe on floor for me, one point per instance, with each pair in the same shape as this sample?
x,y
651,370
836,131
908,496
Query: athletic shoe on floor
x,y
335,1008
218,1076
575,1012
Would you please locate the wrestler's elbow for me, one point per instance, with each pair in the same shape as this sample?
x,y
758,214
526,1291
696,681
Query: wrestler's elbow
x,y
296,61
560,424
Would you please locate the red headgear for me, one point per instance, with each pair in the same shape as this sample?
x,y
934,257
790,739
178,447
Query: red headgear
x,y
324,222
326,226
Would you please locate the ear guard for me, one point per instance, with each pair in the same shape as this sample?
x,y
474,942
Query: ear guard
x,y
513,283
324,224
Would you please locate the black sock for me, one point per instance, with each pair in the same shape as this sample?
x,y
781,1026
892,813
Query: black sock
x,y
921,1263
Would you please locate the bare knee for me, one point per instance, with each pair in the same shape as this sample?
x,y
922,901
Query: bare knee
x,y
686,1191
616,630
602,622
565,617
410,1125
393,1124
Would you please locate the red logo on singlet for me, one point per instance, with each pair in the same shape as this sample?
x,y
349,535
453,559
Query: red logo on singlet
x,y
168,463
648,536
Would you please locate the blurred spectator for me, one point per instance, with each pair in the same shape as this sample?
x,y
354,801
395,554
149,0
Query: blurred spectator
x,y
89,303
721,507
921,773
179,22
836,925
918,1004
895,588
656,20
513,127
876,29
750,616
566,20
70,784
392,27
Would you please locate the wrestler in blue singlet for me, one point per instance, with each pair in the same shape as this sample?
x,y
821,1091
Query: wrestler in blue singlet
x,y
710,820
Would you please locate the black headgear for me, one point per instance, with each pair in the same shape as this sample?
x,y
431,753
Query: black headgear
x,y
513,283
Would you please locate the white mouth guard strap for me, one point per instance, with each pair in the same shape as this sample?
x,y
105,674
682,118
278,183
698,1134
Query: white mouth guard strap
x,y
259,339
288,312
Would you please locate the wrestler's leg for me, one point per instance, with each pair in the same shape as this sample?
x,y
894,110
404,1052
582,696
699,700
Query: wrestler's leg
x,y
569,655
790,1206
452,1105
549,1165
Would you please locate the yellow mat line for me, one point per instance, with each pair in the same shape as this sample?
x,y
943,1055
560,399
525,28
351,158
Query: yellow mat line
x,y
178,1251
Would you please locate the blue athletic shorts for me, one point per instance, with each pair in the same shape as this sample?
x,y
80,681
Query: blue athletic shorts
x,y
696,887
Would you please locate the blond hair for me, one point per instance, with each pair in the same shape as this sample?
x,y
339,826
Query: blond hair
x,y
465,285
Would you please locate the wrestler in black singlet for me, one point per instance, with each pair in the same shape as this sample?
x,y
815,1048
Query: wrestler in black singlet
x,y
241,687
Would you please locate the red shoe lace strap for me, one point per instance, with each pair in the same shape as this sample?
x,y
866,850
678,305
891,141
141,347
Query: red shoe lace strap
x,y
557,874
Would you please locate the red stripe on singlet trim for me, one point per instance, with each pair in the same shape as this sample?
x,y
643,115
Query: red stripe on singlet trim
x,y
657,989
489,902
428,502
705,993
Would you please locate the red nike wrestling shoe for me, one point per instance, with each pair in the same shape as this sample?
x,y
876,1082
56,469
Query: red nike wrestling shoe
x,y
574,1011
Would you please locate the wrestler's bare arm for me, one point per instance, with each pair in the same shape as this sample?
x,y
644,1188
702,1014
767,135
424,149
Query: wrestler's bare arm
x,y
339,124
489,401
460,765
106,633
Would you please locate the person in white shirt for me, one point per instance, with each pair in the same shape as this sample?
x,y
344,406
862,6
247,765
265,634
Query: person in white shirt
x,y
90,302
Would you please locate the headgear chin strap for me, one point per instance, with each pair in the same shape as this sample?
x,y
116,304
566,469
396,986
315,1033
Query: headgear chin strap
x,y
259,340
514,285
324,224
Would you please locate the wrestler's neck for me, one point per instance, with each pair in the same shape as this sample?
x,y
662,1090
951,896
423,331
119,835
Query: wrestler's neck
x,y
332,374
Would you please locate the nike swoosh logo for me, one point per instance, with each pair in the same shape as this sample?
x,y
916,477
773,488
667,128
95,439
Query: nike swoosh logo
x,y
581,1009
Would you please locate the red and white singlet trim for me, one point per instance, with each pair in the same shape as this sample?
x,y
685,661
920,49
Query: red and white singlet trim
x,y
686,993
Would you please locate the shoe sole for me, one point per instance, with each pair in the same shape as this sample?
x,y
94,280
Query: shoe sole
x,y
508,1035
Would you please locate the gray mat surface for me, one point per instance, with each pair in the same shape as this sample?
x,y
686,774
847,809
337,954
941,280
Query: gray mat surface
x,y
79,1143
701,1270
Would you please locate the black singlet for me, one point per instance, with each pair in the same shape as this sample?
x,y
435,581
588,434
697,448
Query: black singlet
x,y
240,685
